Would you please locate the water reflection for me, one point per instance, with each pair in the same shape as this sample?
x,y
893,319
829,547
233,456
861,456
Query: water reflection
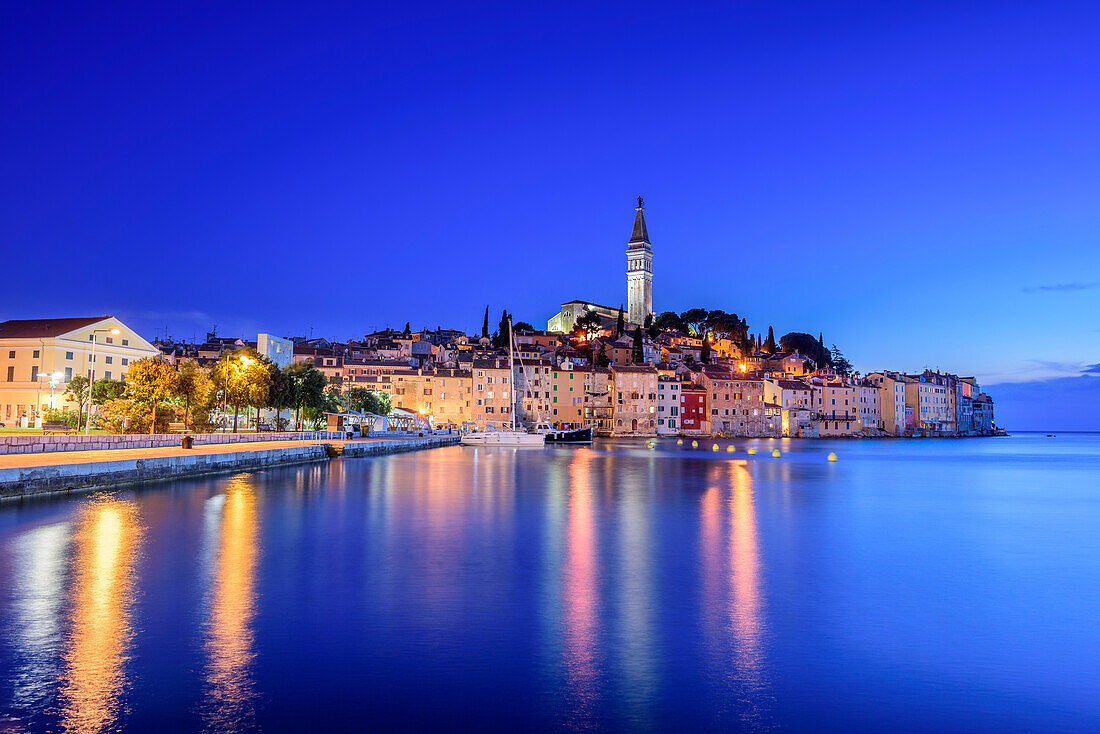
x,y
581,596
229,687
635,600
40,572
732,605
107,539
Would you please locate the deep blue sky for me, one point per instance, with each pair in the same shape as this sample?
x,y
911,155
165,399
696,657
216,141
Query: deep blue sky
x,y
919,181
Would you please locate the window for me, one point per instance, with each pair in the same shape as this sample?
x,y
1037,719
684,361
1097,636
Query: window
x,y
108,359
11,354
107,374
68,374
35,355
91,337
110,340
34,372
11,373
68,355
126,343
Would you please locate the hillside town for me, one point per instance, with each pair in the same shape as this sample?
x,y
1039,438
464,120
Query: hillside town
x,y
624,371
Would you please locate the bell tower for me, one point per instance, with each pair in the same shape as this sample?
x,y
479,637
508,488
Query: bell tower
x,y
639,269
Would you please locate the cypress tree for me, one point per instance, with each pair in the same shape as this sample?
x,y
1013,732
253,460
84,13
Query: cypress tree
x,y
822,355
638,351
408,331
620,325
485,323
704,352
769,345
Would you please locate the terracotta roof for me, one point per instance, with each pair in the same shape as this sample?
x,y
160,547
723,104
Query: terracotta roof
x,y
45,328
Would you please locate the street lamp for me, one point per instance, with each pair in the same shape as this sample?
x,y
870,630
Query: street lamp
x,y
91,377
53,378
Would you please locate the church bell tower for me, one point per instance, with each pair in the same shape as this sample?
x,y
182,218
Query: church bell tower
x,y
639,269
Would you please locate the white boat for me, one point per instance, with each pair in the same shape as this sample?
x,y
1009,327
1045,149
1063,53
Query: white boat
x,y
514,438
504,438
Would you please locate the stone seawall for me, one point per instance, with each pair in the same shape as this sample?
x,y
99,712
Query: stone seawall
x,y
16,444
353,449
24,481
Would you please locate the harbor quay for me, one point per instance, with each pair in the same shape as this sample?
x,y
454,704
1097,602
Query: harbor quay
x,y
54,472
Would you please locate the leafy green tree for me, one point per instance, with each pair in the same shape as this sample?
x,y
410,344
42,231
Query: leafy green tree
x,y
243,379
840,363
500,336
150,382
280,394
620,323
769,343
104,390
669,321
602,360
522,326
704,351
590,324
485,324
694,319
378,403
307,385
78,392
638,352
194,388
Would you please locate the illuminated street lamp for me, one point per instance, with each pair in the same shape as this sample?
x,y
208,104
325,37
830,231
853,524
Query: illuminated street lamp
x,y
91,378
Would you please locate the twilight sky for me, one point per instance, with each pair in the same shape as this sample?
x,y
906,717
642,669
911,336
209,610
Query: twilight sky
x,y
919,181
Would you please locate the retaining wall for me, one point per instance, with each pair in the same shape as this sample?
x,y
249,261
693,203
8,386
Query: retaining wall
x,y
35,480
16,444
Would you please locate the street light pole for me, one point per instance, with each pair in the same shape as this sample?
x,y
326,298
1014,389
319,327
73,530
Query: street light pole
x,y
91,378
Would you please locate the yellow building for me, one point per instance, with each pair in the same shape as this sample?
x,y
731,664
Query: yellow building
x,y
451,390
635,388
491,393
39,357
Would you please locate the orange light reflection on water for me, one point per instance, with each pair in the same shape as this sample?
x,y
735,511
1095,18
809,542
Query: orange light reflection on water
x,y
229,642
107,538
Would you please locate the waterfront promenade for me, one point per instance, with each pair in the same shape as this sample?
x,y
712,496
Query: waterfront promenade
x,y
51,472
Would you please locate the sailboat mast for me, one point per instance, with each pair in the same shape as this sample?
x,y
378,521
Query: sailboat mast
x,y
512,374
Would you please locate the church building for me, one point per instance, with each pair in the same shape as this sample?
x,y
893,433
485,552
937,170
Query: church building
x,y
639,283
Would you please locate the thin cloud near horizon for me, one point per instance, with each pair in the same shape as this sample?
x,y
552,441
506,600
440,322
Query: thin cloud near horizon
x,y
1060,287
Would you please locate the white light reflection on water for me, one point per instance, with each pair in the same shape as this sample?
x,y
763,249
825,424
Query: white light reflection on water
x,y
39,560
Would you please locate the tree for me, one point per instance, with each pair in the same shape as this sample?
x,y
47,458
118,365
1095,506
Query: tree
x,y
378,403
78,392
694,319
823,356
500,336
485,324
669,321
280,394
650,327
797,341
590,324
704,351
243,379
104,390
151,381
602,360
307,387
522,326
620,323
407,332
769,344
724,325
638,352
193,388
840,364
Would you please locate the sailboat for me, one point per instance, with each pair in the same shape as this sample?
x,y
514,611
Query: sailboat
x,y
512,437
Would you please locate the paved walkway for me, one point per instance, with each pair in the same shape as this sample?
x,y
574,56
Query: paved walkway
x,y
64,458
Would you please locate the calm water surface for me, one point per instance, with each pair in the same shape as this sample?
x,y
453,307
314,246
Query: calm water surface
x,y
949,585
